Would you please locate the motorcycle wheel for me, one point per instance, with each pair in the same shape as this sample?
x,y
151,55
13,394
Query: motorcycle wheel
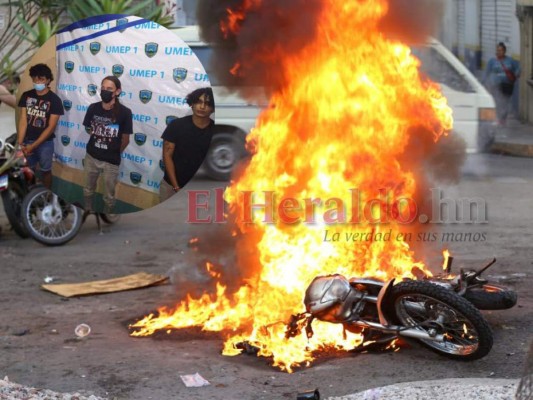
x,y
491,297
12,199
110,219
426,306
46,223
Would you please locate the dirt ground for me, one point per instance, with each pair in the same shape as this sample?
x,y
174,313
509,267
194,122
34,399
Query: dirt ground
x,y
38,346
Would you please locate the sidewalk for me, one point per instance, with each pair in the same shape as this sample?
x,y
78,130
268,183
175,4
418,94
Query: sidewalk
x,y
515,139
443,389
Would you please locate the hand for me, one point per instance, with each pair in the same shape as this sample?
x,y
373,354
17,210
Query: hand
x,y
27,149
176,189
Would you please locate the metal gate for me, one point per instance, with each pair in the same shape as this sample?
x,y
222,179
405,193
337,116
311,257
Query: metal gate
x,y
461,31
496,25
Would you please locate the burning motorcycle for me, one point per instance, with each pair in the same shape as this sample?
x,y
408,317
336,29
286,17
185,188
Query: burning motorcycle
x,y
442,313
16,179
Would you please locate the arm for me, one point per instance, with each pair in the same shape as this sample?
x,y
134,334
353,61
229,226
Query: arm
x,y
23,124
45,134
124,141
7,97
170,169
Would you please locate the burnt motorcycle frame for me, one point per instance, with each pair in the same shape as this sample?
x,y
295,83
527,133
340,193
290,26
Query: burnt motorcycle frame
x,y
433,311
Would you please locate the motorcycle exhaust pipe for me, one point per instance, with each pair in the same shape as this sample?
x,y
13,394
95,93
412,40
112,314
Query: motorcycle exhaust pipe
x,y
408,332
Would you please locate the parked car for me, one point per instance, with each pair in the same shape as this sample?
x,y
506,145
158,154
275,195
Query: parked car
x,y
473,107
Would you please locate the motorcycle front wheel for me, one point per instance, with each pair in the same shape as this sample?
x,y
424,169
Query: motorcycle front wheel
x,y
491,297
433,309
12,198
48,219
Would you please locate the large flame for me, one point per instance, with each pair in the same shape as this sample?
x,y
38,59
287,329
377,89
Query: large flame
x,y
333,140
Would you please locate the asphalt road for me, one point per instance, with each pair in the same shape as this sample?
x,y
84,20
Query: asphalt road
x,y
38,347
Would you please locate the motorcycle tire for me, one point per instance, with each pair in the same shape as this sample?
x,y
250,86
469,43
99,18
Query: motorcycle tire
x,y
491,297
467,335
13,199
45,223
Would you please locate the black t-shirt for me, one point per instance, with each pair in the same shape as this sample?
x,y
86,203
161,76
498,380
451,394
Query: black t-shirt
x,y
38,111
106,132
191,145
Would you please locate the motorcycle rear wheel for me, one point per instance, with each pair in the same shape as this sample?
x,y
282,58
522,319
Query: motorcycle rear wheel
x,y
425,306
46,223
13,198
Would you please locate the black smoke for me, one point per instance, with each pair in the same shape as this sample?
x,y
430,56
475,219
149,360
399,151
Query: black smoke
x,y
412,21
268,34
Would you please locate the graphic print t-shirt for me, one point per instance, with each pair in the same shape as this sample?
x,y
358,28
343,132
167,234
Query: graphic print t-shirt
x,y
106,132
38,111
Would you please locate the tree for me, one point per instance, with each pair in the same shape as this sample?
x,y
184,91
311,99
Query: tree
x,y
29,24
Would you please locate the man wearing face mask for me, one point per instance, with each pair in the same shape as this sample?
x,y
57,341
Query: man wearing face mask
x,y
40,109
110,125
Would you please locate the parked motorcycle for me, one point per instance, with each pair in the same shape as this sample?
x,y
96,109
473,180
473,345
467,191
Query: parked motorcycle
x,y
49,219
16,179
441,314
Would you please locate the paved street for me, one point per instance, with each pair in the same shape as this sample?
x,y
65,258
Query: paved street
x,y
38,347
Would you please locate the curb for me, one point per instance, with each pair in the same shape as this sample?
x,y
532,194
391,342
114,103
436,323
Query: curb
x,y
442,389
513,149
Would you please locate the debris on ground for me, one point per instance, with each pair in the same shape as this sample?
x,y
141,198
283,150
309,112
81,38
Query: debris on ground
x,y
82,330
195,380
15,391
135,281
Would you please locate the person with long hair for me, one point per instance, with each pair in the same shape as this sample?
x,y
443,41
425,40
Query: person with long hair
x,y
186,142
109,124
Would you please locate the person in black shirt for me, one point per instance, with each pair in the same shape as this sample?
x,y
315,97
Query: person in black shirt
x,y
110,125
40,110
186,141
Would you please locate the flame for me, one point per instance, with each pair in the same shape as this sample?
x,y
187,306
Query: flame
x,y
211,270
446,255
236,16
353,102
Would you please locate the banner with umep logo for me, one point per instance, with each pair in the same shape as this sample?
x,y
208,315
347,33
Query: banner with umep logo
x,y
156,69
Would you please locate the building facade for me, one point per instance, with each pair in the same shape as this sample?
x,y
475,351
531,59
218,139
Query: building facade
x,y
472,28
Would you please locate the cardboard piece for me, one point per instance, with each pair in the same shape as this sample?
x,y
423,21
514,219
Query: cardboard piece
x,y
135,281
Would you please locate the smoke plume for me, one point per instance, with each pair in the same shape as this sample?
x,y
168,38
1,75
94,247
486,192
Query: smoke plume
x,y
412,21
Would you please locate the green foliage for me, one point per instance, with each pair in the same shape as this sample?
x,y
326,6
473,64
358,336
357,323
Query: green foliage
x,y
145,9
30,23
39,33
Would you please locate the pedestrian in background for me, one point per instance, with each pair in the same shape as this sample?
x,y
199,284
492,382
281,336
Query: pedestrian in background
x,y
500,76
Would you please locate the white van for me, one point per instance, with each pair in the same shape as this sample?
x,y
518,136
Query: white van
x,y
473,107
474,112
234,117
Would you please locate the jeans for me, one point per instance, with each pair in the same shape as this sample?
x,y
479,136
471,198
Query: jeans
x,y
93,169
41,155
